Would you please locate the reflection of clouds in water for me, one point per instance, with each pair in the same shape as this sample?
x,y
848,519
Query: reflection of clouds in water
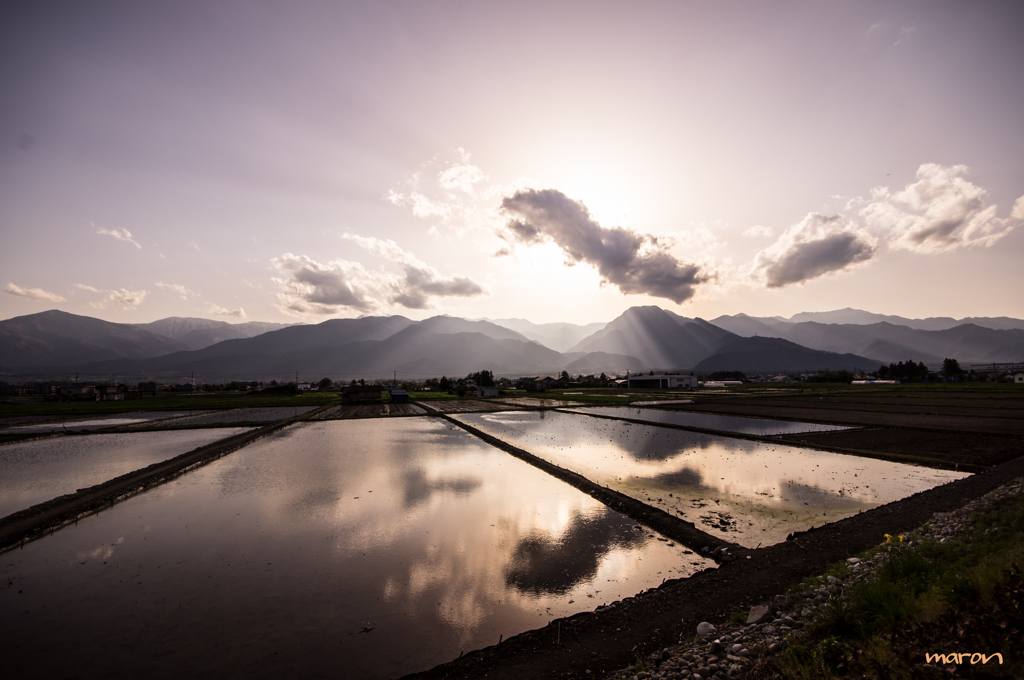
x,y
813,494
418,488
768,488
541,564
102,552
450,513
639,442
315,499
682,477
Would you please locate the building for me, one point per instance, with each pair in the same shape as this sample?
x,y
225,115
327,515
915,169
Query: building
x,y
542,384
662,381
362,394
487,391
399,397
1018,378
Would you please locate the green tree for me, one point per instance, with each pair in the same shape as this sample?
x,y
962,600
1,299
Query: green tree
x,y
325,383
951,369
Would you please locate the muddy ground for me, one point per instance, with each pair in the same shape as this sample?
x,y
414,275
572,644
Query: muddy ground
x,y
984,433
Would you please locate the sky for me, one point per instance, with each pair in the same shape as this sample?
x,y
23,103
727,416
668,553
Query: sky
x,y
553,161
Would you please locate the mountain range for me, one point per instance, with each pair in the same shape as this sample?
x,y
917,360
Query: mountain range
x,y
55,343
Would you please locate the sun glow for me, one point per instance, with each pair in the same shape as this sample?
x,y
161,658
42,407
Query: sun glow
x,y
605,196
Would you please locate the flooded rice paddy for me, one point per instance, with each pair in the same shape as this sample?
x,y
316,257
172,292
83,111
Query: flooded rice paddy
x,y
710,421
358,548
49,424
37,471
751,493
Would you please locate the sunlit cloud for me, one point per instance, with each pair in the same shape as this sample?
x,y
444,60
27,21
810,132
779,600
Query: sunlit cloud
x,y
312,288
181,290
758,231
421,282
635,263
119,234
939,212
217,310
89,289
193,244
127,299
453,194
324,289
37,294
816,246
1018,209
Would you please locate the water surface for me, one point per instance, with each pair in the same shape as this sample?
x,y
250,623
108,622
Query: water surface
x,y
37,471
749,492
51,424
354,549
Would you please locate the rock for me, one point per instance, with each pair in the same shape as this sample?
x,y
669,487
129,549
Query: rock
x,y
853,560
833,580
735,649
758,613
704,629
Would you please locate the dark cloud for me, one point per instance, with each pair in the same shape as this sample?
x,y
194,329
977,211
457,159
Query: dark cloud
x,y
315,288
417,488
814,247
421,283
544,565
635,263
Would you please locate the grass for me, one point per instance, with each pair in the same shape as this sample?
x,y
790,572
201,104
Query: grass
x,y
938,598
168,402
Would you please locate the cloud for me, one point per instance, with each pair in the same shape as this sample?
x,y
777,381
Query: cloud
x,y
461,178
451,193
324,289
635,263
1018,209
421,282
37,294
940,212
128,298
119,234
193,244
221,311
758,231
177,288
815,246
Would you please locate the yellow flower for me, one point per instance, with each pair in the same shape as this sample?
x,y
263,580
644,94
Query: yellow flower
x,y
889,538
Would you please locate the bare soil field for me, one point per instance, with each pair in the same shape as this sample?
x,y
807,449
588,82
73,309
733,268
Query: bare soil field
x,y
346,411
951,418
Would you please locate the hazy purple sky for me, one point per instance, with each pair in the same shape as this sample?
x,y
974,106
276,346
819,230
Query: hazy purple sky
x,y
554,161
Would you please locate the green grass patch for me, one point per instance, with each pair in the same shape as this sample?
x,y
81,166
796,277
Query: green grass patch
x,y
169,402
963,595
